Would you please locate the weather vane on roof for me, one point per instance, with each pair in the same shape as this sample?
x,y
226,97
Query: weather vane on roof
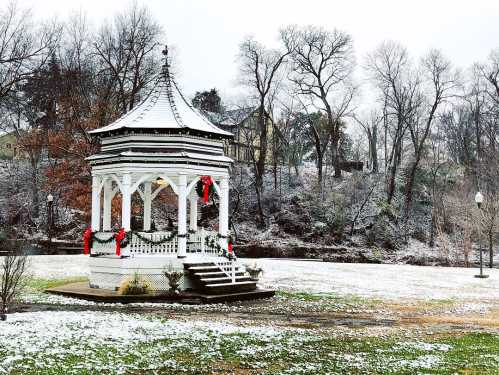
x,y
165,53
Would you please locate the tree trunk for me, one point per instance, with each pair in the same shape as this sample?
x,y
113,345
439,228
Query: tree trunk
x,y
260,165
491,249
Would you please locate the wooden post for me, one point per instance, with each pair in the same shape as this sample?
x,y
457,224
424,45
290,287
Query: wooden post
x,y
126,201
95,203
182,216
147,205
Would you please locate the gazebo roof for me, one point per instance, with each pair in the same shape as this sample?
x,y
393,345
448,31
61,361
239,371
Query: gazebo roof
x,y
164,109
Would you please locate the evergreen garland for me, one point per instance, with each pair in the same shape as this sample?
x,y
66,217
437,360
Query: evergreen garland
x,y
158,242
98,240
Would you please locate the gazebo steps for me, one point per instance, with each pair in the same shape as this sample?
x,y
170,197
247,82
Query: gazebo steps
x,y
239,286
220,280
213,280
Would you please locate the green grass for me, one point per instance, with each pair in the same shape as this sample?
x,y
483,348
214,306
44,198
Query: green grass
x,y
39,284
292,353
329,298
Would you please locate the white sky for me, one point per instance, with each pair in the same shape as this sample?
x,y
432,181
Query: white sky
x,y
206,34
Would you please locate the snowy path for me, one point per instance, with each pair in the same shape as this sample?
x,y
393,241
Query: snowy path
x,y
368,280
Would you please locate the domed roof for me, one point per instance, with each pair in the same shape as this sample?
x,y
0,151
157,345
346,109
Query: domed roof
x,y
165,108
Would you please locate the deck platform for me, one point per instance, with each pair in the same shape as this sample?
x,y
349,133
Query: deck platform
x,y
82,290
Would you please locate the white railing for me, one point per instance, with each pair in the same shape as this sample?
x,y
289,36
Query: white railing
x,y
104,248
228,267
138,246
196,244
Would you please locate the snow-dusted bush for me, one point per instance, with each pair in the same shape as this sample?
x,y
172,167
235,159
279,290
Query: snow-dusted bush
x,y
135,285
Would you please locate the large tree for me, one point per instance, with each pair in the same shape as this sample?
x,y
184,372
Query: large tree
x,y
259,68
323,62
208,101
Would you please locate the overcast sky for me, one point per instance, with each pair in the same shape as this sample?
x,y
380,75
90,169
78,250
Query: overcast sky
x,y
206,34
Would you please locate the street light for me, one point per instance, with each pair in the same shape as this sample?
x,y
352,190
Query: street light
x,y
50,217
478,201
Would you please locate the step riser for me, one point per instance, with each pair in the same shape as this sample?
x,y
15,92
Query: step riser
x,y
234,288
225,280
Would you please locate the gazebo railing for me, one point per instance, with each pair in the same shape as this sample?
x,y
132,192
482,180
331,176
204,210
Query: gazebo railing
x,y
146,243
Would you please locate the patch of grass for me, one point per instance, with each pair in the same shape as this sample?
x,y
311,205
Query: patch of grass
x,y
330,297
39,284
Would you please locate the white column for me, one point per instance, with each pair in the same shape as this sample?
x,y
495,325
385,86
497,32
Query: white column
x,y
108,197
95,203
223,225
126,201
193,222
182,216
147,205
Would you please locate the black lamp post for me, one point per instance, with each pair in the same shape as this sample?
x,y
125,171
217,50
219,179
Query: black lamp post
x,y
479,200
50,217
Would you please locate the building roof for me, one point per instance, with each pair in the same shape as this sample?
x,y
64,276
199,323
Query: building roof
x,y
165,108
232,117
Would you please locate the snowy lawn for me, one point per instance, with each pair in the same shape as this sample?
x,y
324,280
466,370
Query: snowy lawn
x,y
62,342
366,280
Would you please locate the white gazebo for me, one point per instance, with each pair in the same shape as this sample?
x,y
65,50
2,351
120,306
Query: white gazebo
x,y
162,142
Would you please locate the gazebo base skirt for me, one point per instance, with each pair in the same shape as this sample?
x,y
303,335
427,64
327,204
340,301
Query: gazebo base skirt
x,y
109,272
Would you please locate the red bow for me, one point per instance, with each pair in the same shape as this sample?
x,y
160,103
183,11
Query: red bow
x,y
207,182
120,236
229,247
87,239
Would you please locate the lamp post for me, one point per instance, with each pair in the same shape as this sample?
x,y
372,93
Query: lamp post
x,y
50,217
479,201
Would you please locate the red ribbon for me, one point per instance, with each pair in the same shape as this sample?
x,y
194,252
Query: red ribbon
x,y
87,239
120,236
207,182
229,247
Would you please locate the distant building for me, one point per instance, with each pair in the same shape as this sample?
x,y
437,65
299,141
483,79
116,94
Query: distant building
x,y
243,123
9,148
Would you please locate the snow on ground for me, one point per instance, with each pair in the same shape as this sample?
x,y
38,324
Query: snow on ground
x,y
46,339
367,280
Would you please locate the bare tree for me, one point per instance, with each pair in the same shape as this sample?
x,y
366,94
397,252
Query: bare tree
x,y
323,62
390,70
371,126
12,272
24,47
126,51
259,68
440,82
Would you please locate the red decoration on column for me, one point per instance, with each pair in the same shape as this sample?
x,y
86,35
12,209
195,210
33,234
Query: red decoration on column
x,y
87,239
120,236
229,247
207,182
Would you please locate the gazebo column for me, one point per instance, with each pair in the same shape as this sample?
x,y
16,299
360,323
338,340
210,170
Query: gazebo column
x,y
147,205
108,197
126,201
223,226
95,203
182,216
193,222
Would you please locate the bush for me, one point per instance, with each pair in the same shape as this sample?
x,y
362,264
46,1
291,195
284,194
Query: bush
x,y
135,285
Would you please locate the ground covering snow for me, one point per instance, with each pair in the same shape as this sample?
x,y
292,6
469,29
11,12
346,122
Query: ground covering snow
x,y
85,342
367,280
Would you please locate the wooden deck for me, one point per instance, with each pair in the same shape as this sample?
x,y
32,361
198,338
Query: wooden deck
x,y
83,291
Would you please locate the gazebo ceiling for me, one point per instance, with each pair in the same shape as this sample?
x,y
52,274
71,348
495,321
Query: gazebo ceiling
x,y
164,110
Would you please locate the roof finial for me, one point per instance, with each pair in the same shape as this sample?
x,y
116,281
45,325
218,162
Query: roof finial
x,y
165,65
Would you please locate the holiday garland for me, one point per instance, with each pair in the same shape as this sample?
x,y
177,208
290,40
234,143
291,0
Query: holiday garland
x,y
153,242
